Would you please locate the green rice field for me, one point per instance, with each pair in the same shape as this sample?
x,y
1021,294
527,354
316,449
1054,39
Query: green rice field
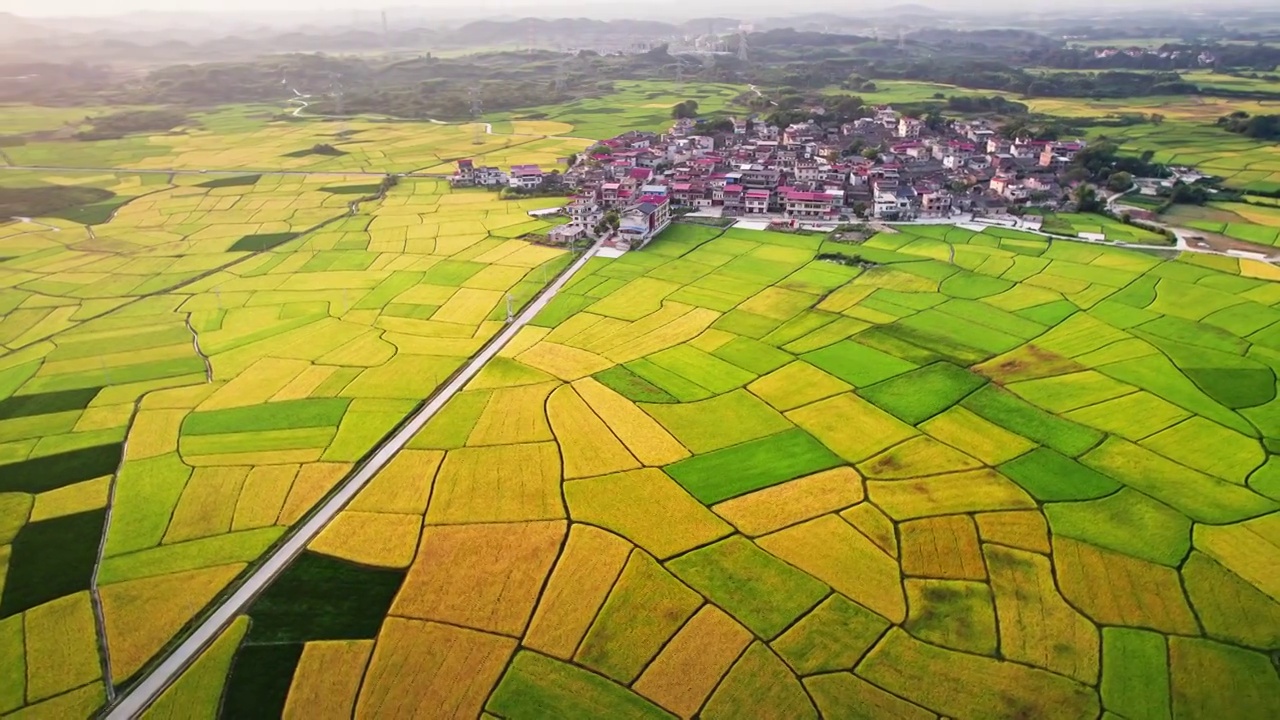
x,y
993,476
976,474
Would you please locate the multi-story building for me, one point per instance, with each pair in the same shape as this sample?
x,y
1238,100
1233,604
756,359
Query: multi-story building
x,y
525,177
756,202
643,221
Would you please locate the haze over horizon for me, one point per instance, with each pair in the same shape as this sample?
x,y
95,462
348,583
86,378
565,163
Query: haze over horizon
x,y
556,8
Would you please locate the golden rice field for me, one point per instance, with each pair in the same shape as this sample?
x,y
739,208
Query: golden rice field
x,y
242,138
205,362
994,476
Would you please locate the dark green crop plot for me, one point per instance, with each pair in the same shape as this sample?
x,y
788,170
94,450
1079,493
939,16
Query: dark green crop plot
x,y
1051,477
320,598
50,559
260,243
315,412
46,403
740,469
632,386
920,394
761,591
49,200
259,683
1016,415
54,471
857,364
234,181
372,189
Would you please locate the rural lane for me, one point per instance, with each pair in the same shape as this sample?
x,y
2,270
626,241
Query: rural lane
x,y
133,701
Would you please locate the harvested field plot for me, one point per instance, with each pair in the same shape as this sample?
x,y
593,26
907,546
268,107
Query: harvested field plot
x,y
1033,487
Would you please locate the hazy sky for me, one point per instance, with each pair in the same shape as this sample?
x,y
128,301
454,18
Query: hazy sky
x,y
557,8
115,7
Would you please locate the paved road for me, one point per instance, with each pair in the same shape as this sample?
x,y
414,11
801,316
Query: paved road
x,y
133,701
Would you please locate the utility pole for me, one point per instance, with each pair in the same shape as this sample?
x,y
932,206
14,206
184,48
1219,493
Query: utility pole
x,y
679,76
510,315
742,47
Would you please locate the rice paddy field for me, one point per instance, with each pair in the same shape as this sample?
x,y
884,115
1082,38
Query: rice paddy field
x,y
1254,222
634,105
993,476
245,137
1092,224
186,373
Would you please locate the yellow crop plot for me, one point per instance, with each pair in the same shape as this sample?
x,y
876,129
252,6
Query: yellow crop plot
x,y
619,647
651,444
677,524
774,508
682,677
514,415
499,483
942,547
1037,626
587,447
376,539
449,582
61,646
327,679
564,362
142,615
591,561
833,551
417,667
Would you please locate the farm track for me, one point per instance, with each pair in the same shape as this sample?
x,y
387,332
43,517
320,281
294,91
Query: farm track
x,y
133,701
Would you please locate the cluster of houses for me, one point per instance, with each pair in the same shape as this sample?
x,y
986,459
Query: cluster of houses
x,y
804,172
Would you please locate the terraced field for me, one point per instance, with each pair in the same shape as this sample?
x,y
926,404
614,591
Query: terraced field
x,y
203,365
990,477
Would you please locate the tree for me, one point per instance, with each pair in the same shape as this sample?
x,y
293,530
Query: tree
x,y
1086,198
686,109
1120,181
1076,174
871,153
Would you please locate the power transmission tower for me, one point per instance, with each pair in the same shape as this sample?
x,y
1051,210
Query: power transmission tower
x,y
679,76
742,47
561,71
386,33
335,92
902,40
476,111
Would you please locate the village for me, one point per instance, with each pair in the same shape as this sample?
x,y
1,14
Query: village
x,y
886,167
